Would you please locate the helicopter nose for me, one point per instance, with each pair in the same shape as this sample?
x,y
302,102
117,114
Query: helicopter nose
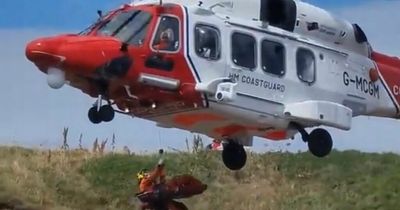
x,y
89,56
83,55
42,52
31,49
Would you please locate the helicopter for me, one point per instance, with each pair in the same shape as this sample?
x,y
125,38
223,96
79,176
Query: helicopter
x,y
232,70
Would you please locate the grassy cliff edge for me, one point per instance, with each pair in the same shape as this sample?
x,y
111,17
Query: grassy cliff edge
x,y
76,179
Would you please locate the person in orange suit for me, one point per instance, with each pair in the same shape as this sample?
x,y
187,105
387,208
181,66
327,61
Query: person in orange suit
x,y
183,186
147,180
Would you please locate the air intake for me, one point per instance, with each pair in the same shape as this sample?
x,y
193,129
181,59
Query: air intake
x,y
279,13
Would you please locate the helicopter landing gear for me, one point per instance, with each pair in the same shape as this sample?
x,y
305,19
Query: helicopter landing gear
x,y
101,113
319,141
234,156
94,115
105,114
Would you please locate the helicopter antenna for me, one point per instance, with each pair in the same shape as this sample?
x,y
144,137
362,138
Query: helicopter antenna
x,y
100,13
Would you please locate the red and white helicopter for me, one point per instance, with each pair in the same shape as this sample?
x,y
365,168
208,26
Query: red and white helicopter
x,y
230,69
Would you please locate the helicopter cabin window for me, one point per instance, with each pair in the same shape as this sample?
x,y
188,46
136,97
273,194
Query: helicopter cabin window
x,y
207,42
244,50
305,61
130,27
167,35
273,57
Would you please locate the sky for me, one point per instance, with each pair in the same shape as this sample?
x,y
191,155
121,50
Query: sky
x,y
34,115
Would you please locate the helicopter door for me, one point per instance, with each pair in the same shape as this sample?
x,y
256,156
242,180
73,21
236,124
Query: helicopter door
x,y
258,65
207,42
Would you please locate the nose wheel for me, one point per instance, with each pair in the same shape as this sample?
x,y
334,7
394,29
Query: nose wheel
x,y
234,156
105,113
94,115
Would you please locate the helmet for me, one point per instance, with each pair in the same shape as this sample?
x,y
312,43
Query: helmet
x,y
167,35
141,174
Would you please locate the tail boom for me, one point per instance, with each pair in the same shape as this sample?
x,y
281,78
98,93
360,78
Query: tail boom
x,y
389,69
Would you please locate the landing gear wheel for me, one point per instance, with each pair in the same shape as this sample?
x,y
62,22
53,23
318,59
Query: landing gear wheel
x,y
106,113
320,142
94,116
234,156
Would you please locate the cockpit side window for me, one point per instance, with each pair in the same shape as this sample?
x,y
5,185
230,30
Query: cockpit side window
x,y
167,35
207,42
305,61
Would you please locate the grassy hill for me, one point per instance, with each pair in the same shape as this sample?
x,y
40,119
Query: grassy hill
x,y
31,179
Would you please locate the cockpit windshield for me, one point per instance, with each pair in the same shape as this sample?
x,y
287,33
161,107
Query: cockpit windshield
x,y
96,24
128,26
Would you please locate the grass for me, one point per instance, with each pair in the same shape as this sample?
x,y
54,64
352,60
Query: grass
x,y
33,179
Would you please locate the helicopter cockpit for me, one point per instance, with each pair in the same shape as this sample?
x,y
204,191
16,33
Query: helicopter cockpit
x,y
130,27
133,26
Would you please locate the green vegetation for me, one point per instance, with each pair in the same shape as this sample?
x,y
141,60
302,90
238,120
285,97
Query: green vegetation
x,y
78,179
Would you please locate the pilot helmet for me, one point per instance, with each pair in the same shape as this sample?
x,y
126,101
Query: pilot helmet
x,y
167,35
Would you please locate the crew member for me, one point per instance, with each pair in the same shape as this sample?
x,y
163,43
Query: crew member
x,y
149,179
164,192
166,40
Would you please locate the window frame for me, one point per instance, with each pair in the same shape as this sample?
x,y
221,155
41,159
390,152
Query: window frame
x,y
156,30
315,65
255,49
219,47
284,57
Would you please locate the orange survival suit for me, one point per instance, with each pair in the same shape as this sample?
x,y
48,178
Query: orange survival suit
x,y
183,186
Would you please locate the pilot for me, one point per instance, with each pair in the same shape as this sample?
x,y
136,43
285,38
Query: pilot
x,y
166,40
